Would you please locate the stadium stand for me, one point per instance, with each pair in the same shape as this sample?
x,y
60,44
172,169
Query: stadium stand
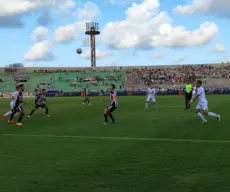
x,y
128,78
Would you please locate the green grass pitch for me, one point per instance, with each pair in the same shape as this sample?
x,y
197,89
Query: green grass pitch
x,y
167,150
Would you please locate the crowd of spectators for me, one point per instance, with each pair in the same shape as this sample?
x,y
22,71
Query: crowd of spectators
x,y
173,76
135,77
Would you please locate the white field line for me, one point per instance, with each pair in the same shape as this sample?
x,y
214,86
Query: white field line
x,y
121,138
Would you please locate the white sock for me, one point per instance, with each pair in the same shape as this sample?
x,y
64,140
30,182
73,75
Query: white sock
x,y
146,105
8,114
16,114
201,116
211,114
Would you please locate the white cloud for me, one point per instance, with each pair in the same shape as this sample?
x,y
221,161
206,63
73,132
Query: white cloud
x,y
40,52
39,34
158,55
219,7
180,59
68,33
90,11
11,11
65,34
108,63
13,36
17,7
99,54
118,2
218,48
68,5
145,27
86,42
29,64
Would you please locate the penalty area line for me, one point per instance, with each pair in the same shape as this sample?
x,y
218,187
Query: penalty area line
x,y
122,138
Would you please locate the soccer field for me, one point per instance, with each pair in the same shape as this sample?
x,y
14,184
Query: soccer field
x,y
167,150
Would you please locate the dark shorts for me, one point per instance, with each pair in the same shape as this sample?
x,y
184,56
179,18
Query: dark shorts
x,y
18,108
40,106
111,108
188,96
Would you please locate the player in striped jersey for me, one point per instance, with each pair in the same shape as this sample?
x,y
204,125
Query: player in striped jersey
x,y
18,107
14,97
41,103
86,96
37,91
113,105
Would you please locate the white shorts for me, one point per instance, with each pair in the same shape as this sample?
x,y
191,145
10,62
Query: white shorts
x,y
12,104
151,98
202,106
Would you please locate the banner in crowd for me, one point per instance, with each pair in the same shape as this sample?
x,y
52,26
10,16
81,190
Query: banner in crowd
x,y
8,95
133,93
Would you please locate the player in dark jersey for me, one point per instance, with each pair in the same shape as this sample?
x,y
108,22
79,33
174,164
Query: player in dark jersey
x,y
113,105
86,96
37,91
41,103
18,107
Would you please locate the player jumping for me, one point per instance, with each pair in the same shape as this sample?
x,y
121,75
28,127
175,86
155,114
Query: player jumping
x,y
202,103
113,105
14,97
150,97
41,100
18,107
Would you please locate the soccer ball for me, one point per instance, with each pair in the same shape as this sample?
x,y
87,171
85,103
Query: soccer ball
x,y
79,51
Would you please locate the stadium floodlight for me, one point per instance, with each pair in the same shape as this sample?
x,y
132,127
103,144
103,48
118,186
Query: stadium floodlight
x,y
92,29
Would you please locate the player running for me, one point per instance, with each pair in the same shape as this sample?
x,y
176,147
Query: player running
x,y
150,96
14,97
41,102
37,91
18,107
113,105
86,96
202,103
194,91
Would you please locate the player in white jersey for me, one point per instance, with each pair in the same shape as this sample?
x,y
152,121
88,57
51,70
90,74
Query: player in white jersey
x,y
194,90
202,103
14,97
150,96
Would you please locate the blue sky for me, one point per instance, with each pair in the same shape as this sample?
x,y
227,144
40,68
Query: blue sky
x,y
142,32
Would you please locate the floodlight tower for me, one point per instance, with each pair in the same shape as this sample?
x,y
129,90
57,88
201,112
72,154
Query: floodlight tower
x,y
92,29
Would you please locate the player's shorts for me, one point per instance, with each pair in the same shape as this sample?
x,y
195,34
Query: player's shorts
x,y
202,105
40,106
151,98
18,108
12,105
188,96
111,108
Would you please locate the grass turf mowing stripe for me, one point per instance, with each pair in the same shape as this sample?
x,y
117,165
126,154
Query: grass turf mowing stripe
x,y
122,138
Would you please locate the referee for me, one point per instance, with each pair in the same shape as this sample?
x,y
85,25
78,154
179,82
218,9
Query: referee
x,y
188,94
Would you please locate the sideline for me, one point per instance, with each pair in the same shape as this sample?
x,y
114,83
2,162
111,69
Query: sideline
x,y
121,138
